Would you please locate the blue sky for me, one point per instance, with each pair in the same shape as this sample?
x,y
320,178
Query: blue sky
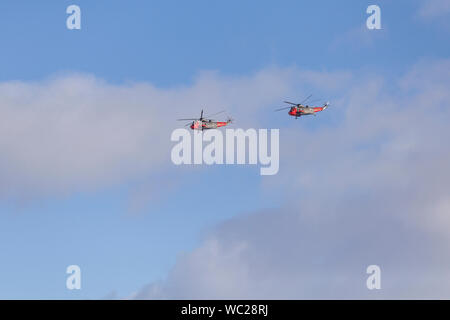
x,y
132,231
168,42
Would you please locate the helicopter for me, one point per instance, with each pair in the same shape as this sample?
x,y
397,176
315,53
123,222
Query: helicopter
x,y
299,109
205,123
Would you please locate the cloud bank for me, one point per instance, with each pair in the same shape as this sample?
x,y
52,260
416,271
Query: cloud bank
x,y
370,185
371,188
77,133
430,9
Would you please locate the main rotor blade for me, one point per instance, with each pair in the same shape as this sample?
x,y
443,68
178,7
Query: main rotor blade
x,y
282,108
187,119
212,115
294,104
306,99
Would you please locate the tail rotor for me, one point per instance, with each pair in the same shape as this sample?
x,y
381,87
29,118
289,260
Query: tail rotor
x,y
229,119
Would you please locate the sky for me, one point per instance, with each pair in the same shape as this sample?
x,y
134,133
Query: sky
x,y
85,171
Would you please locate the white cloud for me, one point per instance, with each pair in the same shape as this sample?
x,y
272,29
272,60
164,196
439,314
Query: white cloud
x,y
359,37
371,189
78,133
430,9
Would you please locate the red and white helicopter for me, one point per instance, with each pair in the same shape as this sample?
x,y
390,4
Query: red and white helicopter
x,y
299,109
205,123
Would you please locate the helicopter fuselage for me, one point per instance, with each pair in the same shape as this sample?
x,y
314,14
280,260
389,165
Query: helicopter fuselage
x,y
299,111
204,125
